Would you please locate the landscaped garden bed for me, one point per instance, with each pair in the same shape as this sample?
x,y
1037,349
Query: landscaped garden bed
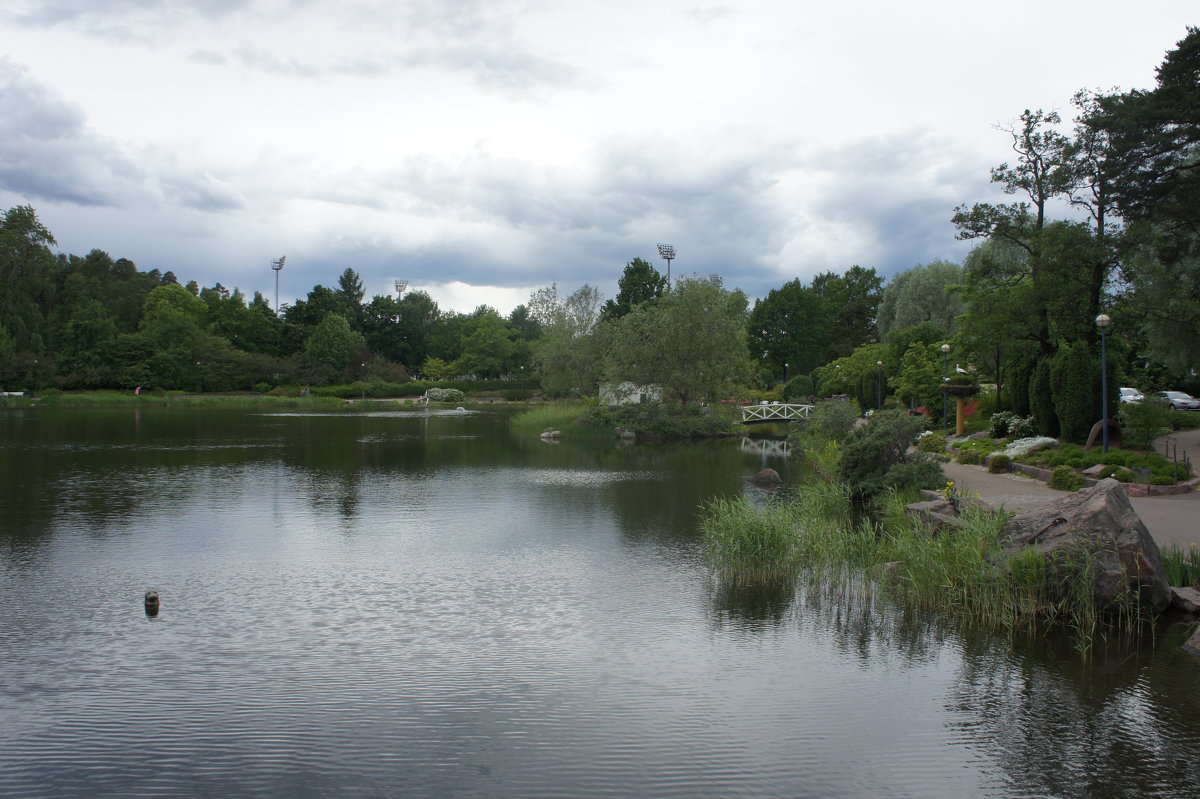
x,y
1069,466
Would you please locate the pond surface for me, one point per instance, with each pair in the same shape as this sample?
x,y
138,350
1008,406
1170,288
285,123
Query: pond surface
x,y
422,603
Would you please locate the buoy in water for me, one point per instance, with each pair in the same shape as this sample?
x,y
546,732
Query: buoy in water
x,y
151,603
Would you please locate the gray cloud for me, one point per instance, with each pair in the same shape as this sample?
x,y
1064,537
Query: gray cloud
x,y
46,150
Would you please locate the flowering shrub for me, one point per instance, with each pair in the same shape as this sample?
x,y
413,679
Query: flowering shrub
x,y
444,395
1007,424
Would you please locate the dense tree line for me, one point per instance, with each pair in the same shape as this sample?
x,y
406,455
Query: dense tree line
x,y
1105,219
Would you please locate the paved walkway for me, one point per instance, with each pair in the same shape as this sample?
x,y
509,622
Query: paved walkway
x,y
1171,519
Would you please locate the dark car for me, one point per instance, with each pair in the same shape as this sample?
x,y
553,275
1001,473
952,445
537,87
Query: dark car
x,y
1177,400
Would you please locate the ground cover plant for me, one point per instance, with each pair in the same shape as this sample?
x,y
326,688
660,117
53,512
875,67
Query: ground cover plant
x,y
1141,467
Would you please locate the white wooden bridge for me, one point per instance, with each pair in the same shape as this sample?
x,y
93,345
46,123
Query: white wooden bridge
x,y
775,412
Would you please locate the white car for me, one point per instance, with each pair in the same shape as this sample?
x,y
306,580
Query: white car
x,y
1131,395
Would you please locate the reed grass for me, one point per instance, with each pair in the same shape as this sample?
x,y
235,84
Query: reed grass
x,y
959,569
554,415
1182,566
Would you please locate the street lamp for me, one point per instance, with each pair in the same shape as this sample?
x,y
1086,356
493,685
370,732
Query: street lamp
x,y
667,253
1102,322
785,366
945,377
879,385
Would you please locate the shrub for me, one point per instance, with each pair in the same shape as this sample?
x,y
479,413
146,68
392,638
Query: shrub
x,y
516,394
1142,422
1064,478
1162,480
876,457
1071,381
999,424
968,456
444,395
798,387
934,443
831,420
1123,476
658,421
1041,404
1000,463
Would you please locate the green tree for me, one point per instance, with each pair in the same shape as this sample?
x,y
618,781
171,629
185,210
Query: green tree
x,y
919,381
790,325
922,294
639,283
691,343
853,302
569,354
1153,139
25,264
489,350
332,346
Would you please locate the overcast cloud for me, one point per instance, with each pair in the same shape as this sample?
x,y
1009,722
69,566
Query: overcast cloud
x,y
481,149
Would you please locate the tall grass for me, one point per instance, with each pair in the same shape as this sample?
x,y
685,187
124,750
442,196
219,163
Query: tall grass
x,y
1182,566
556,415
958,569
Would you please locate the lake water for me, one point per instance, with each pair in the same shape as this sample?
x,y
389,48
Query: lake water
x,y
425,604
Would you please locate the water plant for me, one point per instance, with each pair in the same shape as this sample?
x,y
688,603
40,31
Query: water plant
x,y
1182,566
960,569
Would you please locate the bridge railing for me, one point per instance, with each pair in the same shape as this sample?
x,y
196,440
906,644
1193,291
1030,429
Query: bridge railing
x,y
783,412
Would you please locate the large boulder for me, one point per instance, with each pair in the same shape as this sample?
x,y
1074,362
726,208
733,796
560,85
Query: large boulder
x,y
1099,525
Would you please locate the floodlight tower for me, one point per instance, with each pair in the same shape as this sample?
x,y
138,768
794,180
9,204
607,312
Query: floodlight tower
x,y
401,285
277,265
667,253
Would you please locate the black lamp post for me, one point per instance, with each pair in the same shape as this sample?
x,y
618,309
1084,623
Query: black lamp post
x,y
1102,322
945,377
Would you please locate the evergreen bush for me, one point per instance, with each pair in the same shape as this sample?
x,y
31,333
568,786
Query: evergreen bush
x,y
1041,402
876,457
1064,478
799,387
999,464
969,457
1072,391
933,443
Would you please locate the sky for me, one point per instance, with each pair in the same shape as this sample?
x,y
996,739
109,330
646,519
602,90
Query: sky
x,y
481,149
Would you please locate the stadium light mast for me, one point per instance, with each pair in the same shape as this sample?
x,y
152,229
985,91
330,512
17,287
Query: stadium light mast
x,y
667,253
277,265
401,285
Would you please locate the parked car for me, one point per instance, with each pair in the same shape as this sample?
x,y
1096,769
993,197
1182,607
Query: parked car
x,y
1178,400
1131,395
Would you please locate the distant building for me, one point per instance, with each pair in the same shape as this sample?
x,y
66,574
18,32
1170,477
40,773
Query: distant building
x,y
629,394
